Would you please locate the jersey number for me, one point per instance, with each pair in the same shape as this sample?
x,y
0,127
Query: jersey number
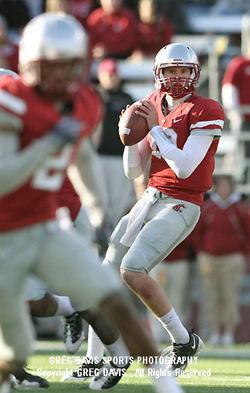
x,y
171,134
50,176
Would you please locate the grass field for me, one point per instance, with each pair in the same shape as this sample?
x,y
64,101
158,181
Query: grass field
x,y
216,371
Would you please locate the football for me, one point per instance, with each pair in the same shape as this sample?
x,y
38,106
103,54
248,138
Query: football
x,y
132,127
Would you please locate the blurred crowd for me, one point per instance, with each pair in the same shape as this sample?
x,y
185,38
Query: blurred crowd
x,y
117,28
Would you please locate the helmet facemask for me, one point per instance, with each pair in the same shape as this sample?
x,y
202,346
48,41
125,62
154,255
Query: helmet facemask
x,y
58,83
176,87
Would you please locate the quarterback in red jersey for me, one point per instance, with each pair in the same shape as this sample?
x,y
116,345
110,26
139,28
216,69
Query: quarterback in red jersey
x,y
184,130
40,120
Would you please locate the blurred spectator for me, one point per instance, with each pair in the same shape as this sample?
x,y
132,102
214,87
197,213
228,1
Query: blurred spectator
x,y
155,30
65,7
118,188
236,100
223,234
113,30
80,9
8,49
172,274
16,13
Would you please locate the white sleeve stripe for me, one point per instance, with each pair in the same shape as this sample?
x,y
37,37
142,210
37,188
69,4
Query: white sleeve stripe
x,y
9,121
13,103
206,131
202,124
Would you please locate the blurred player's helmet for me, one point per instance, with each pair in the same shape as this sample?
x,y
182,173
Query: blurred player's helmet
x,y
51,38
176,55
5,71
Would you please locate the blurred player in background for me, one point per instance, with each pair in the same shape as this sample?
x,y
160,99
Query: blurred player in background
x,y
41,118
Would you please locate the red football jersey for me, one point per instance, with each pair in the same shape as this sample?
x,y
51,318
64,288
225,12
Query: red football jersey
x,y
36,200
117,32
238,74
81,9
223,230
68,197
196,113
9,53
153,36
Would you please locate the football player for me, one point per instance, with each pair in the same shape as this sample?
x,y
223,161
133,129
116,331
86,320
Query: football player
x,y
184,131
41,117
43,303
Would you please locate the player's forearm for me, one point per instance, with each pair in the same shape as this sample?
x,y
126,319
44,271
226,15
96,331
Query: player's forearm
x,y
136,159
132,162
182,161
16,168
230,96
230,100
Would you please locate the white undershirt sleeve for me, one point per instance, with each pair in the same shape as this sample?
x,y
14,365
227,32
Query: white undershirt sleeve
x,y
16,166
182,161
136,159
230,96
230,100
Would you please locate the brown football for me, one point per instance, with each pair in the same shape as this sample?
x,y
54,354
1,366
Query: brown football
x,y
132,127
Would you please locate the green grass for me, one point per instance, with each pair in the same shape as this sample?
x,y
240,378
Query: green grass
x,y
224,371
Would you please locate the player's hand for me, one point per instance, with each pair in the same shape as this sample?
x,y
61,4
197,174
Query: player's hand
x,y
149,113
102,236
67,130
122,113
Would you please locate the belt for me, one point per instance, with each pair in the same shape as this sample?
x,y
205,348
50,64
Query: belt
x,y
161,195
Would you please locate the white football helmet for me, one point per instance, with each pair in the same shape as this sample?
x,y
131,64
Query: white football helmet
x,y
52,37
176,55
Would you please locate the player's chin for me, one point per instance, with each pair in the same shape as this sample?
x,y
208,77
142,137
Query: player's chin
x,y
59,89
178,91
56,88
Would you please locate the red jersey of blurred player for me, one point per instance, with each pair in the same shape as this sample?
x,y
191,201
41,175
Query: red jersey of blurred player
x,y
39,116
237,74
35,114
